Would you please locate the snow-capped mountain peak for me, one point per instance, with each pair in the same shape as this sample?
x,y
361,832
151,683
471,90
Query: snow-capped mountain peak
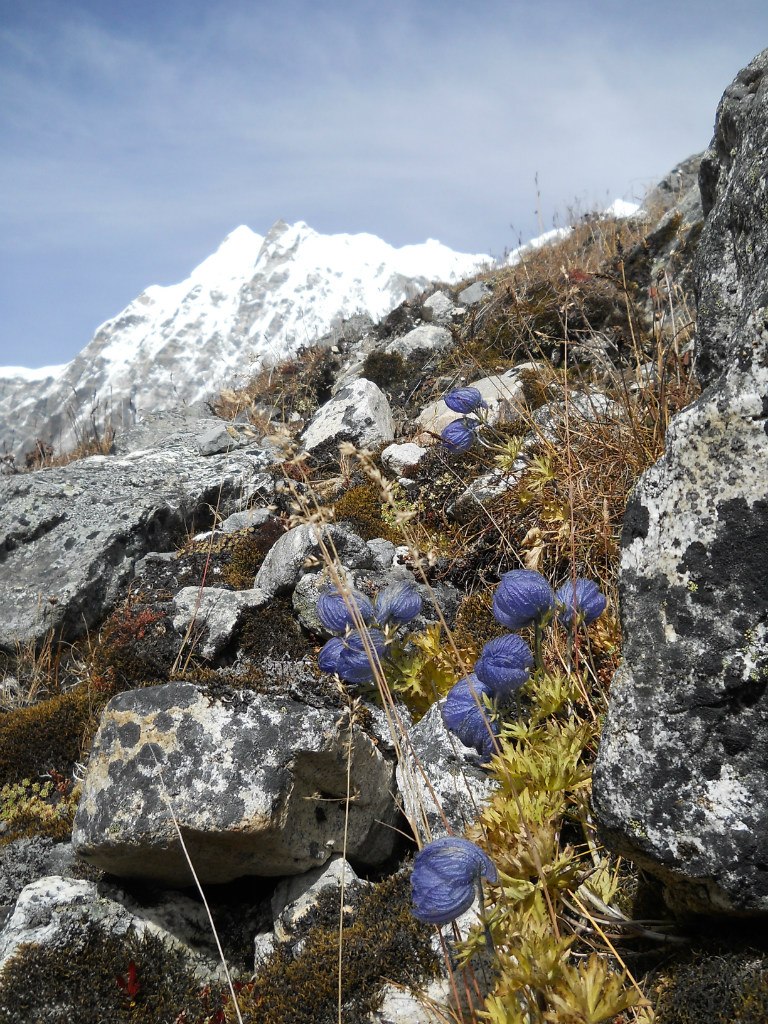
x,y
255,298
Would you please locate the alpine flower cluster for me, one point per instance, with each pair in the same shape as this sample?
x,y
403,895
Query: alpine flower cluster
x,y
459,436
352,654
522,598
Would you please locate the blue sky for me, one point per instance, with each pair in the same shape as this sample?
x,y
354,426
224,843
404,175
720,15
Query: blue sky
x,y
134,135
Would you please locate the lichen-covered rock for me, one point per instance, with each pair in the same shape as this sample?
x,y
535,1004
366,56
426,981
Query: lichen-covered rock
x,y
439,309
358,413
286,561
400,457
258,787
70,537
440,780
53,910
679,783
216,611
731,277
427,338
294,898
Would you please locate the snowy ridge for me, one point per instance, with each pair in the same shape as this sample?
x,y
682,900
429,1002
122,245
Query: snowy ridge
x,y
256,298
619,208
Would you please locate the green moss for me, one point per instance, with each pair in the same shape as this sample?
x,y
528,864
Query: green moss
x,y
475,624
716,988
361,508
50,735
30,809
245,551
89,980
384,941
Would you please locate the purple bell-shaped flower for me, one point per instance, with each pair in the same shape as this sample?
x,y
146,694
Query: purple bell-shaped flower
x,y
579,602
334,612
459,436
399,602
522,597
464,400
353,663
467,717
446,878
505,665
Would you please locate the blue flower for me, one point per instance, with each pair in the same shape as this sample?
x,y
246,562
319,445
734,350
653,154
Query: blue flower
x,y
504,665
522,597
466,716
328,658
334,613
464,400
579,602
459,436
446,878
399,602
353,663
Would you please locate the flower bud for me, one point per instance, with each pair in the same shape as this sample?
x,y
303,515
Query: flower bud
x,y
579,602
522,597
398,602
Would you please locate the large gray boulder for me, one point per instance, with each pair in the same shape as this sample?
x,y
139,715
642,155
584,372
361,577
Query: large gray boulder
x,y
679,783
71,536
258,787
359,413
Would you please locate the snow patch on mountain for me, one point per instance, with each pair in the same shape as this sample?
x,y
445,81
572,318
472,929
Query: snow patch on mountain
x,y
257,298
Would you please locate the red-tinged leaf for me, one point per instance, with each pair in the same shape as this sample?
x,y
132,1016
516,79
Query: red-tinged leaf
x,y
132,985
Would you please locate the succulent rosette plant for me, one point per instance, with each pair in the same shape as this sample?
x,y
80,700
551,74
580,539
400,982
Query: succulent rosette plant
x,y
504,665
446,879
466,716
335,613
398,603
579,602
464,400
522,598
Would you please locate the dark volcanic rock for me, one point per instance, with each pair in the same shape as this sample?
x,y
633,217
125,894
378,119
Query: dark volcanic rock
x,y
680,781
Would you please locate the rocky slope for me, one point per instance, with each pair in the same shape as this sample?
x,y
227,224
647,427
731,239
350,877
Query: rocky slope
x,y
198,685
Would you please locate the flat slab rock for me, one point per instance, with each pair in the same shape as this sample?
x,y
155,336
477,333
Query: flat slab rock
x,y
70,536
257,789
